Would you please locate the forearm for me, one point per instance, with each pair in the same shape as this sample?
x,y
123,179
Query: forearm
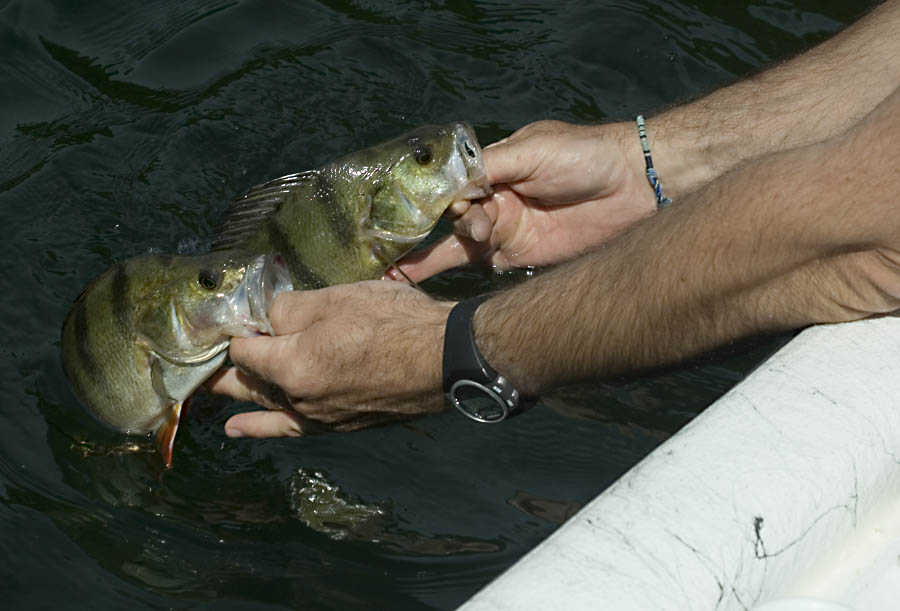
x,y
743,255
844,287
812,97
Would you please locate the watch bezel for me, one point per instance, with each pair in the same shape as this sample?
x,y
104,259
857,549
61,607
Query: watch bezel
x,y
468,412
465,366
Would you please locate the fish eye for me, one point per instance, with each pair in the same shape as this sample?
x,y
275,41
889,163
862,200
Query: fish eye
x,y
422,154
208,279
468,148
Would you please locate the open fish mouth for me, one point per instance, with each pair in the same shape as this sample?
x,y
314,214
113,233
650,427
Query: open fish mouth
x,y
267,276
469,156
466,177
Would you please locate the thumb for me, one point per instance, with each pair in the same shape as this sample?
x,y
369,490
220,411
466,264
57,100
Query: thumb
x,y
507,161
295,311
264,356
277,423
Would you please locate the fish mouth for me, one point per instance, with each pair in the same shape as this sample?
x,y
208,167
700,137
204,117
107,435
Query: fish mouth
x,y
267,276
464,178
468,164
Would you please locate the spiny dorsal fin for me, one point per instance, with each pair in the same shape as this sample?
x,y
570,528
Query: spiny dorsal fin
x,y
244,216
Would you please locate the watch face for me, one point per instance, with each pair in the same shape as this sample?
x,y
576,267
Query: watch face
x,y
478,402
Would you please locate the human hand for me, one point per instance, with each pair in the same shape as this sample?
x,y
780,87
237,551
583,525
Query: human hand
x,y
342,358
563,189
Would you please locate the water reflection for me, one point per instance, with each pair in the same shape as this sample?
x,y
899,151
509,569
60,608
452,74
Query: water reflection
x,y
325,508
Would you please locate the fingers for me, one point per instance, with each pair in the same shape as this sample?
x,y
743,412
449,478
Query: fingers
x,y
276,423
281,423
259,424
244,387
476,237
506,162
295,311
475,224
457,209
448,252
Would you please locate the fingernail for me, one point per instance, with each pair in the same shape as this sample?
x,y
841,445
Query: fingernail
x,y
458,208
479,232
234,432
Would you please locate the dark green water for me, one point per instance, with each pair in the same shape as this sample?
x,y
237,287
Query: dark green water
x,y
126,127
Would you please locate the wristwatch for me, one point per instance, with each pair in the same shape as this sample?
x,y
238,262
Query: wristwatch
x,y
470,384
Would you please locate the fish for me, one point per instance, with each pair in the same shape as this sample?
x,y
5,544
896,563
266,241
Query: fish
x,y
353,218
147,332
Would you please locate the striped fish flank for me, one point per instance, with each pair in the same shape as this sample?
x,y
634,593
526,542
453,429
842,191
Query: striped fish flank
x,y
351,219
147,332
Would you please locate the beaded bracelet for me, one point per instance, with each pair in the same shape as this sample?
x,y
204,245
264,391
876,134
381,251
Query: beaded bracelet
x,y
661,200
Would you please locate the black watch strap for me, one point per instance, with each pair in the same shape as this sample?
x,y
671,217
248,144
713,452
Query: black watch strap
x,y
462,358
468,380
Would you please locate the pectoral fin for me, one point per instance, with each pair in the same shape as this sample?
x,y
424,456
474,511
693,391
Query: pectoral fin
x,y
165,434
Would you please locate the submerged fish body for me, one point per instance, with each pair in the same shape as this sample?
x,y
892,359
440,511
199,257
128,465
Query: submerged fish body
x,y
145,334
353,218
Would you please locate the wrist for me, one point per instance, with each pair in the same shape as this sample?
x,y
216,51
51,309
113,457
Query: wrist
x,y
680,156
422,341
682,152
470,384
494,328
439,330
627,176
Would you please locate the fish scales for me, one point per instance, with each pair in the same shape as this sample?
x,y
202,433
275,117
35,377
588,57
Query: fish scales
x,y
147,332
351,219
275,239
311,230
105,358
